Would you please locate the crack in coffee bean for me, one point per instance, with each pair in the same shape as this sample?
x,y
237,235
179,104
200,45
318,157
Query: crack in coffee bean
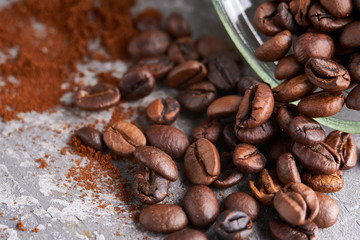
x,y
127,138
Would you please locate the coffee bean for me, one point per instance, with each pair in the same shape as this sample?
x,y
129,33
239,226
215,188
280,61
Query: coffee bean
x,y
318,159
169,139
354,67
159,65
209,129
229,136
357,4
223,107
279,147
255,107
208,46
275,48
299,9
345,145
163,218
285,116
123,138
224,73
263,18
186,74
338,8
136,84
248,159
329,211
182,50
297,204
147,24
293,89
288,67
284,18
91,137
229,175
306,131
286,169
323,182
150,188
149,43
245,82
233,224
187,234
349,37
163,110
353,99
198,96
98,97
243,202
321,104
178,26
321,46
282,231
202,162
201,206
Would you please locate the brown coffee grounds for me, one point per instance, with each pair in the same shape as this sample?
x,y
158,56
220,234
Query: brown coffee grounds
x,y
107,77
35,230
43,163
20,226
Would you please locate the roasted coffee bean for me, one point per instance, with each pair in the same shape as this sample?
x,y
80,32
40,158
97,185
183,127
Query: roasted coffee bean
x,y
279,147
318,159
243,202
186,74
357,4
287,68
187,234
255,107
223,107
224,73
202,162
285,116
286,169
338,8
91,137
149,43
284,18
136,84
259,134
321,104
169,139
275,48
297,204
263,19
322,182
282,231
147,23
329,211
327,74
353,98
201,206
210,129
163,218
321,46
198,96
123,138
293,89
345,145
182,50
299,9
229,136
163,110
245,82
98,97
306,131
354,67
233,224
248,159
229,175
159,66
178,26
349,37
208,46
157,161
150,188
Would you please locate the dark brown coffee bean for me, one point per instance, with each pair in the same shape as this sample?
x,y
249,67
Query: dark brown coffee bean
x,y
224,73
345,145
208,46
285,116
306,131
279,147
248,159
147,23
353,98
321,104
245,82
233,224
287,68
282,231
123,138
186,74
357,4
299,9
329,211
349,37
209,129
354,67
198,96
91,137
201,206
98,97
163,218
169,139
150,188
178,26
243,202
284,18
163,110
318,159
321,46
286,169
182,50
297,204
223,107
293,89
149,43
256,106
338,8
202,162
323,182
136,84
327,74
275,48
159,66
187,234
263,18
229,136
229,175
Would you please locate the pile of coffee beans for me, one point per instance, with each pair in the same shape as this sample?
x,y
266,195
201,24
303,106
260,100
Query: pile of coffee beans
x,y
246,130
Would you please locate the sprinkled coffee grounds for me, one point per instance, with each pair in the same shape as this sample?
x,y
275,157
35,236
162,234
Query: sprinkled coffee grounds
x,y
21,226
35,230
43,163
107,77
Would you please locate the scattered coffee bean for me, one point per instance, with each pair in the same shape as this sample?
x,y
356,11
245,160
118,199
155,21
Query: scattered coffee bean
x,y
299,9
286,169
243,202
208,46
229,175
229,136
182,50
147,24
288,67
186,74
187,234
159,66
353,98
233,224
279,147
91,137
263,18
275,48
282,231
178,26
306,131
349,37
245,82
210,129
223,107
163,110
323,182
338,8
284,18
136,84
285,116
224,73
354,67
248,159
259,134
329,211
